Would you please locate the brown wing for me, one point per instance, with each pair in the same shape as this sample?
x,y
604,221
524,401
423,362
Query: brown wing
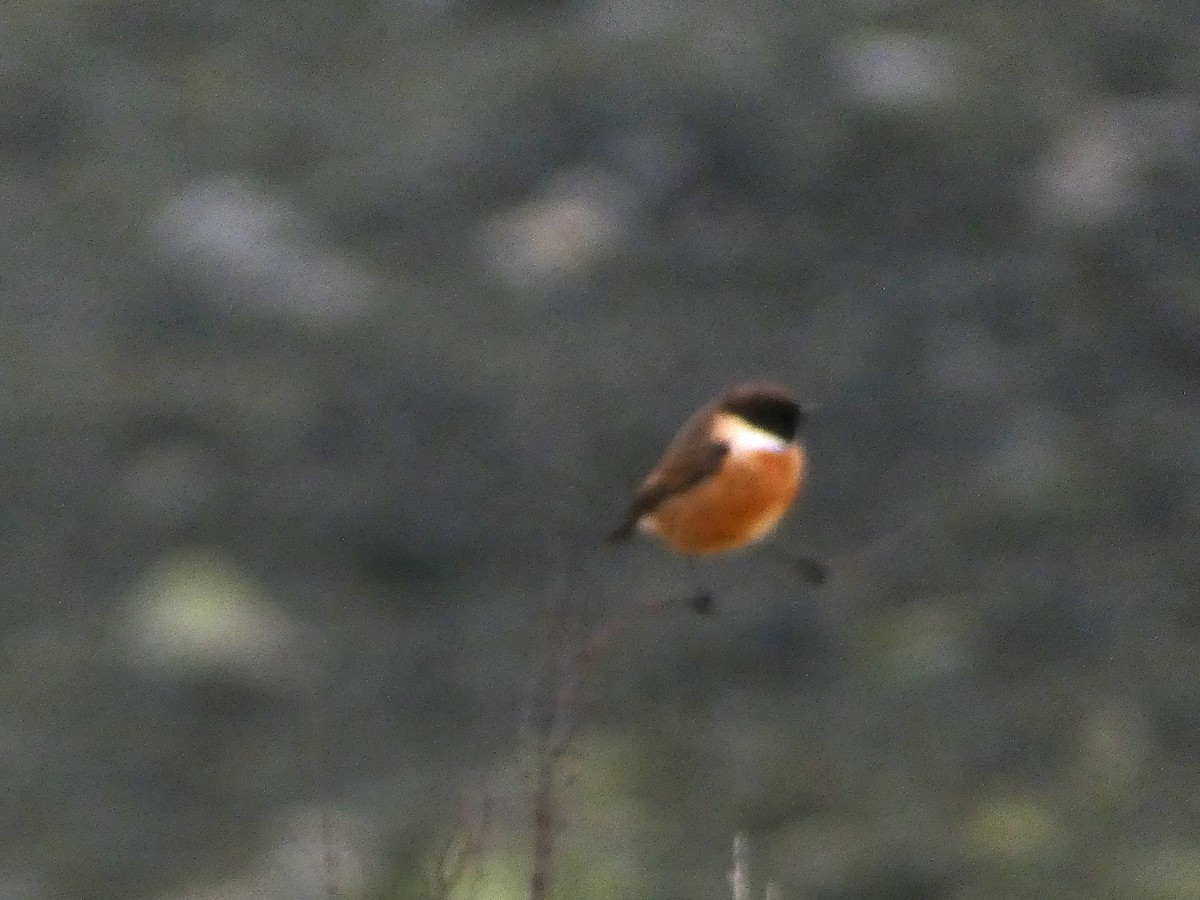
x,y
682,467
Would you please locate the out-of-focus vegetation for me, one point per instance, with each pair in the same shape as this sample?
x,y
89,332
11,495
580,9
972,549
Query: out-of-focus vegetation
x,y
334,335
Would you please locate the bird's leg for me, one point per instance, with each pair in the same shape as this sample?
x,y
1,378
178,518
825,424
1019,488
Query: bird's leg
x,y
811,569
702,601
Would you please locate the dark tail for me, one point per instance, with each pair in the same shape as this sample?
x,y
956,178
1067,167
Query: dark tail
x,y
622,533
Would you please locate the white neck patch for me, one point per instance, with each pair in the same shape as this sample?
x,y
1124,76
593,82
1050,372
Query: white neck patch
x,y
743,437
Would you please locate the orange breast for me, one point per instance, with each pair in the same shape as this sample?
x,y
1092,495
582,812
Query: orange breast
x,y
741,504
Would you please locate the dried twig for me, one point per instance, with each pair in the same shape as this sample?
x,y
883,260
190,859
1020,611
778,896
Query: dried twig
x,y
739,875
461,852
329,856
559,727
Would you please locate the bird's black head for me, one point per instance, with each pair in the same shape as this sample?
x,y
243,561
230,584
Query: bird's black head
x,y
765,406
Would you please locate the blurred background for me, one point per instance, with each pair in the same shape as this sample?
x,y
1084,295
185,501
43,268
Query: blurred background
x,y
336,334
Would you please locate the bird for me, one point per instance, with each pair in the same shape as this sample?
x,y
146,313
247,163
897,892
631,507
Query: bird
x,y
727,478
